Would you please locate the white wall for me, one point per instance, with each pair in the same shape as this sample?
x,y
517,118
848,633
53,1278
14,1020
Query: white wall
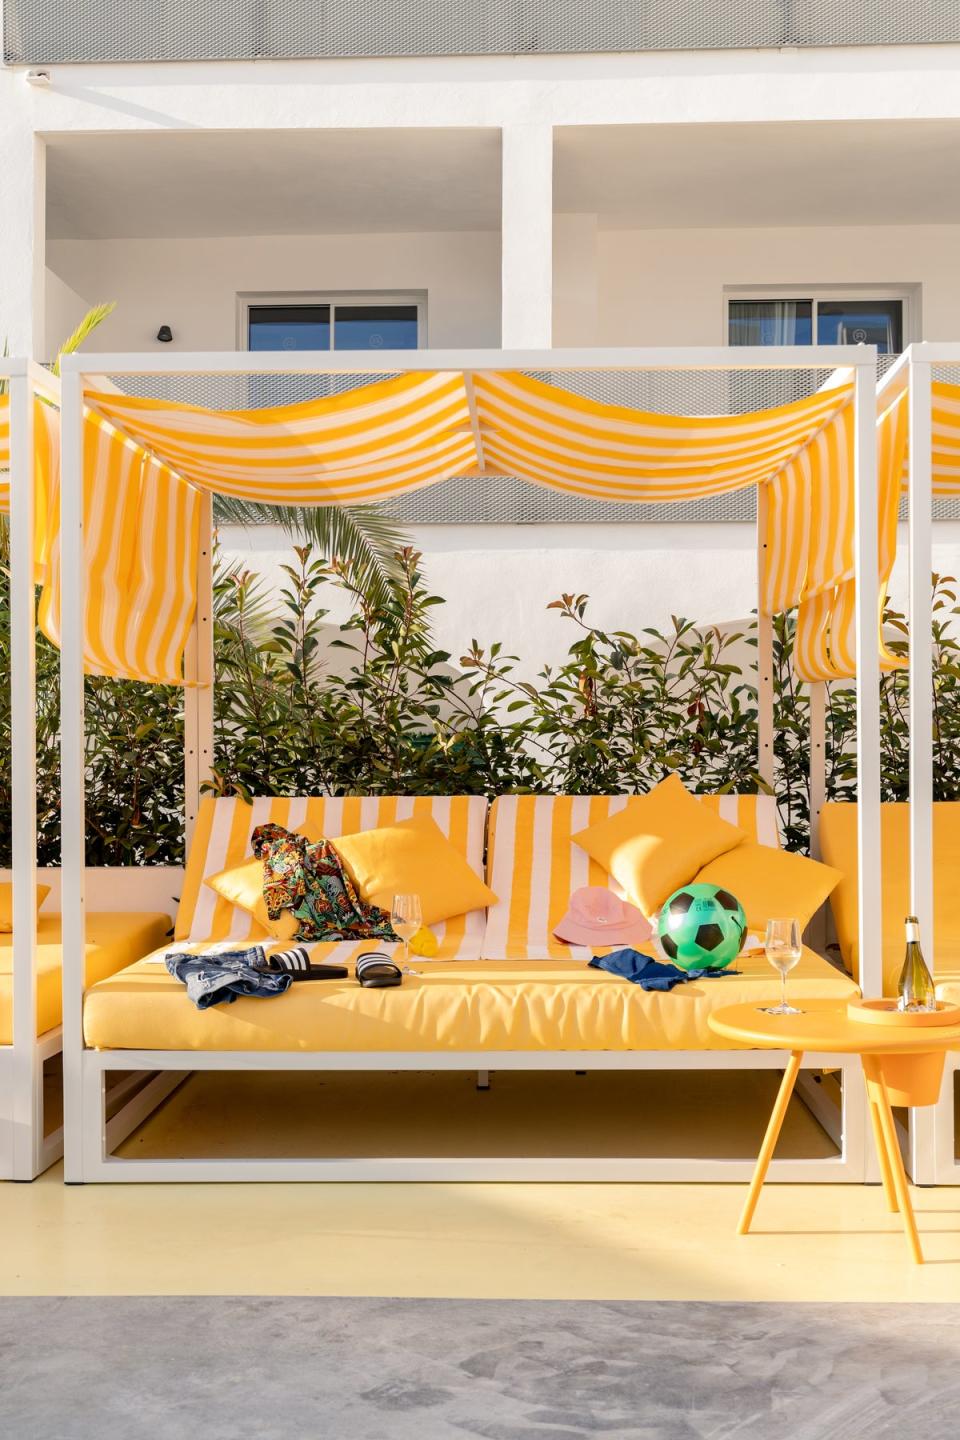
x,y
192,284
498,580
666,287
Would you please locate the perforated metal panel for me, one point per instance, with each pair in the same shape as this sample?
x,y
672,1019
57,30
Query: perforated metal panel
x,y
51,31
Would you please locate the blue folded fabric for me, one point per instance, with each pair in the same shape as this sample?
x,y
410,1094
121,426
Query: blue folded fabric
x,y
648,973
221,977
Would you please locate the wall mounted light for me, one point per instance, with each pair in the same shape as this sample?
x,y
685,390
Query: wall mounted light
x,y
165,334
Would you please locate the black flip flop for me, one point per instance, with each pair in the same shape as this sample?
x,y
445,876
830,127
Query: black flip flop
x,y
297,963
378,972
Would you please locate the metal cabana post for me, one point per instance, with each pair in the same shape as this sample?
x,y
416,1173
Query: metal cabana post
x,y
26,1088
87,1153
866,520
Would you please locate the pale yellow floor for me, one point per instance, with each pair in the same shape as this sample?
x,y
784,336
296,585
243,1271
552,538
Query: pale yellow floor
x,y
619,1241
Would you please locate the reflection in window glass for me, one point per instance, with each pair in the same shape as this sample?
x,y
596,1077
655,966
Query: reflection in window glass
x,y
861,322
770,322
289,327
375,327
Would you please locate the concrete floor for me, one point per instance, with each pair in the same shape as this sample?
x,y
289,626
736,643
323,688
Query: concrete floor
x,y
307,1369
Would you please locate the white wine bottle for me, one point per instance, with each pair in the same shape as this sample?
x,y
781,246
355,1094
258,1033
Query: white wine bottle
x,y
915,986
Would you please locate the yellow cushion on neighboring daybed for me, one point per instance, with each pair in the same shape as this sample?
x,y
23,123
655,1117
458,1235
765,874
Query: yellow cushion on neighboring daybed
x,y
113,941
455,1006
838,845
6,904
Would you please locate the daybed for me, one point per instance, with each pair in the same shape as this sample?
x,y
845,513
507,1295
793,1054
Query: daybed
x,y
500,994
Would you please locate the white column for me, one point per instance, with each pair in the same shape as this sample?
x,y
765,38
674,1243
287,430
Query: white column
x,y
22,234
921,654
27,1110
72,767
527,238
870,934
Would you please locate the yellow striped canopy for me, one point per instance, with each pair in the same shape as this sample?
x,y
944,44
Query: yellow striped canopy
x,y
379,441
146,460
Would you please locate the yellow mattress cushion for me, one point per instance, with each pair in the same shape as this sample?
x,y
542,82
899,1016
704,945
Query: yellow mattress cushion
x,y
838,845
452,1006
114,940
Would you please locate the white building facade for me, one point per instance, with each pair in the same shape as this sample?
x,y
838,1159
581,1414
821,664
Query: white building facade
x,y
765,170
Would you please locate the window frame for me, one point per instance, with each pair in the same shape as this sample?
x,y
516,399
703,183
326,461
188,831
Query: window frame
x,y
252,299
908,296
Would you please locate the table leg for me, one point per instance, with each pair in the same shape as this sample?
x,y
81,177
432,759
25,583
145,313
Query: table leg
x,y
770,1140
874,1073
886,1174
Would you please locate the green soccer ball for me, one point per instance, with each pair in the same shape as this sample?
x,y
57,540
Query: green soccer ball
x,y
702,927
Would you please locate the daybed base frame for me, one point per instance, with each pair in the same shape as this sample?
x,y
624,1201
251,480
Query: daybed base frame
x,y
101,1135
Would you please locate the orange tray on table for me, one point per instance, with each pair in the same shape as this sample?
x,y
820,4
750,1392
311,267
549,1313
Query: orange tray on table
x,y
886,1012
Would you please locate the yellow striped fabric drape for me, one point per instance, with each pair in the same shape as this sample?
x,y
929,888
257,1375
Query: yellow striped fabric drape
x,y
372,443
378,441
807,558
609,452
141,535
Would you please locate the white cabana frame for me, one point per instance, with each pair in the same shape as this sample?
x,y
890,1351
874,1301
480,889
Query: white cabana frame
x,y
89,1137
933,1148
25,1151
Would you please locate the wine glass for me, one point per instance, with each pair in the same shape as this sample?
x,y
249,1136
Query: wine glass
x,y
406,918
783,950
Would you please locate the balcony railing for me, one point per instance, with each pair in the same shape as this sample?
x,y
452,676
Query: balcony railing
x,y
39,32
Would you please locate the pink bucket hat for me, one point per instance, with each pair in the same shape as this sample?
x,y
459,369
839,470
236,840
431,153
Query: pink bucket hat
x,y
599,917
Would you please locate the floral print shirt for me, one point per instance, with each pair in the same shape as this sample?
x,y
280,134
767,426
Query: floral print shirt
x,y
308,878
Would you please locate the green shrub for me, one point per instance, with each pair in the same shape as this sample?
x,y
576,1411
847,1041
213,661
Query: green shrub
x,y
383,711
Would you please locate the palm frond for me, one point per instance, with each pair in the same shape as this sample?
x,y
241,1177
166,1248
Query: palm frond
x,y
88,324
360,535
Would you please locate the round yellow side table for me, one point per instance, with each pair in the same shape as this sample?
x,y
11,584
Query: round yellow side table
x,y
902,1065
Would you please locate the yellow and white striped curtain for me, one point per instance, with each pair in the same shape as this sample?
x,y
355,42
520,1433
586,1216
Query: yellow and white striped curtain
x,y
379,441
808,558
373,443
610,452
141,537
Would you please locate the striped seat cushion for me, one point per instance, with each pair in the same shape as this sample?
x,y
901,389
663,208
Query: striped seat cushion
x,y
533,866
222,839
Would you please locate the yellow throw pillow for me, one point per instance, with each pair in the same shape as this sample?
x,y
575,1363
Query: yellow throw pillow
x,y
6,904
658,842
413,857
772,884
243,886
